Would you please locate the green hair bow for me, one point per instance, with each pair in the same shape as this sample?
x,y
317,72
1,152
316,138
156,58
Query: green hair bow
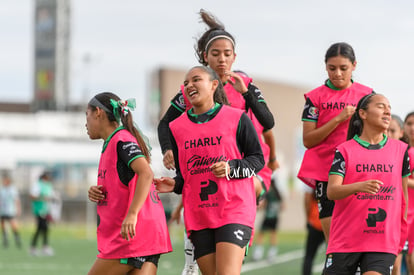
x,y
123,107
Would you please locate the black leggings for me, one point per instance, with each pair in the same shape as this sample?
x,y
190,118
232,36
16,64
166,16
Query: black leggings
x,y
314,239
42,229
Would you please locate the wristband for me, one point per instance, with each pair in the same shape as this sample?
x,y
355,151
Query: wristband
x,y
273,159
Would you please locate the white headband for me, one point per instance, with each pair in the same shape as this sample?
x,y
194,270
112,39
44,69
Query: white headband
x,y
217,37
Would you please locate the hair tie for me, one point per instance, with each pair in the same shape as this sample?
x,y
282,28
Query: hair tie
x,y
357,123
124,106
365,99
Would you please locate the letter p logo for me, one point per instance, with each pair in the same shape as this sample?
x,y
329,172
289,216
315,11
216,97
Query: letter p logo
x,y
373,218
207,188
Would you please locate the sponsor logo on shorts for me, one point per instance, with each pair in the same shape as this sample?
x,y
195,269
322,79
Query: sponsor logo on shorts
x,y
239,234
139,259
328,261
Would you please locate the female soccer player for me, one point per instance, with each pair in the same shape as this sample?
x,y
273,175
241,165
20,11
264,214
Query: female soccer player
x,y
409,137
40,193
128,205
10,210
325,122
216,152
396,131
216,49
368,181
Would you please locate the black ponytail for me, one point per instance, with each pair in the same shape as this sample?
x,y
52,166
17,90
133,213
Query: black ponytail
x,y
216,30
356,124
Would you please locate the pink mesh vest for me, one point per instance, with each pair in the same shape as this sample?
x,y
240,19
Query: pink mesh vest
x,y
370,223
211,202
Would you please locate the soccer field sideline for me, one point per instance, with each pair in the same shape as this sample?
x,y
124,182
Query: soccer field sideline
x,y
164,265
75,253
282,258
286,257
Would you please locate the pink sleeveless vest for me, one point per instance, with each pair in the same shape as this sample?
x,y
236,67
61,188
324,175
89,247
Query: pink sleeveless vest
x,y
237,101
317,160
370,223
152,235
211,202
410,214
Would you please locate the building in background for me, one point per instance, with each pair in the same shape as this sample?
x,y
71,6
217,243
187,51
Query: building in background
x,y
56,141
50,133
51,55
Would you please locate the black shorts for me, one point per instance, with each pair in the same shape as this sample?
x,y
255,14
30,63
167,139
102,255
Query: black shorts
x,y
270,223
6,217
347,263
137,262
205,240
325,206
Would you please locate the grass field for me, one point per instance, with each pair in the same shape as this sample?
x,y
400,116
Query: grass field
x,y
75,253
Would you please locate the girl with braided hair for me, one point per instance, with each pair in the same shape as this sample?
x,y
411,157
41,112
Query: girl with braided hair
x,y
128,206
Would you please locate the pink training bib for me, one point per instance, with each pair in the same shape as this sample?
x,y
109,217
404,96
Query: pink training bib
x,y
363,222
328,103
211,202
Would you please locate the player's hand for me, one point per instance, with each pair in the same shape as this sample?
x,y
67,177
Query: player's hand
x,y
370,186
164,184
168,160
220,169
95,193
273,165
128,227
236,81
346,113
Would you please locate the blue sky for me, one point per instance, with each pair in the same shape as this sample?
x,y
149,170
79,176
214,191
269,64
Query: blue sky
x,y
275,40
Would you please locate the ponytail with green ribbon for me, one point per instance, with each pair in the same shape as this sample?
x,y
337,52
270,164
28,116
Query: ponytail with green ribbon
x,y
123,107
